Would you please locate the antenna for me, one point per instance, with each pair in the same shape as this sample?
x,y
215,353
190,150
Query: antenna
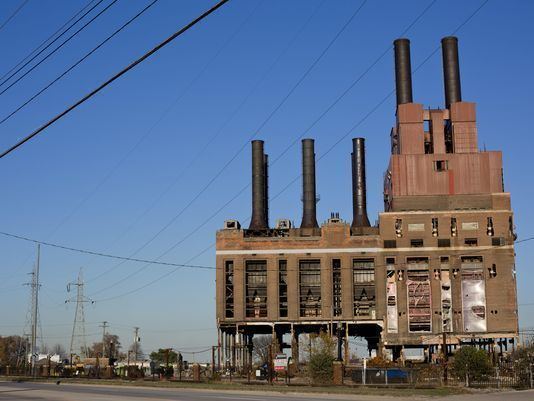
x,y
78,340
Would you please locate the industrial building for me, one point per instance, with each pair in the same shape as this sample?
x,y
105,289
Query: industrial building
x,y
438,267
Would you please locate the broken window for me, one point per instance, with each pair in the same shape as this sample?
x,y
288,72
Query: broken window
x,y
441,165
310,288
336,287
489,228
398,228
454,227
416,243
229,289
419,295
471,242
435,227
282,288
256,288
363,273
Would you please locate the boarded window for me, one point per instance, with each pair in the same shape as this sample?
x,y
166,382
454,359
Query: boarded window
x,y
256,288
419,295
310,288
444,242
390,243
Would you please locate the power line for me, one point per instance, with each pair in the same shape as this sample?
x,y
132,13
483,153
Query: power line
x,y
13,14
241,191
296,178
208,143
25,62
45,88
260,127
58,47
105,255
114,77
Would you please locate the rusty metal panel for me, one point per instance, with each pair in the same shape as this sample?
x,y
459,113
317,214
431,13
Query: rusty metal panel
x,y
419,301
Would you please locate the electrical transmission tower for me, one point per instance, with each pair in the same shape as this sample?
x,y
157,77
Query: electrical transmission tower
x,y
34,285
78,340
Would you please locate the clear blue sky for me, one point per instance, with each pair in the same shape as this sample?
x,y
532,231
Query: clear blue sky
x,y
90,180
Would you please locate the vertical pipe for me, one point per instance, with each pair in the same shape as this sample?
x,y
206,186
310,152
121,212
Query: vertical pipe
x,y
309,196
359,196
451,70
403,71
258,220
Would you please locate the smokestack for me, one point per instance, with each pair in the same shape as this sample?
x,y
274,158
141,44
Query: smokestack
x,y
266,167
403,71
359,201
259,205
309,197
451,70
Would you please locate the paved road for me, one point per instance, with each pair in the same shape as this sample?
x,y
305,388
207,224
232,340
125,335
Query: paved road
x,y
80,392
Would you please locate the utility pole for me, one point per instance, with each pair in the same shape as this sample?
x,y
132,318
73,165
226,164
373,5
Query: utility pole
x,y
445,358
78,340
136,342
104,325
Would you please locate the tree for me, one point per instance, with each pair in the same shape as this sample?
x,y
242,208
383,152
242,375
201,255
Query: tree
x,y
112,347
261,348
471,363
58,349
13,350
320,366
136,348
161,356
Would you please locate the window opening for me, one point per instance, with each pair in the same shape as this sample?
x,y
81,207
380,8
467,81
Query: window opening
x,y
363,273
310,288
336,287
256,288
282,288
229,289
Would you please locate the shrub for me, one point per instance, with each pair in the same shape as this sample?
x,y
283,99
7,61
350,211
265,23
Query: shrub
x,y
471,363
320,366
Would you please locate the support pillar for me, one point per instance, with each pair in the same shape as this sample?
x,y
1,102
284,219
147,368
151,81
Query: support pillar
x,y
295,347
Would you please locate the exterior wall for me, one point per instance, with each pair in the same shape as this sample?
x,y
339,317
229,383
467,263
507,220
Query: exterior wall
x,y
336,242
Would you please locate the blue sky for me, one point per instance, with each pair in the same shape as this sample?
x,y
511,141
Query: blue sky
x,y
113,173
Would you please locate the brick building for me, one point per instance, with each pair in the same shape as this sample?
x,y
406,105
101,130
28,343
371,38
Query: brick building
x,y
441,259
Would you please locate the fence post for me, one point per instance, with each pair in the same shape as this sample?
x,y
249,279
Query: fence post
x,y
530,375
386,374
364,374
498,378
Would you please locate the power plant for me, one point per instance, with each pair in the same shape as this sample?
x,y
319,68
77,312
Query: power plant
x,y
437,270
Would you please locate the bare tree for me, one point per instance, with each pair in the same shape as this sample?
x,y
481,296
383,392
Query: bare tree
x,y
261,348
59,350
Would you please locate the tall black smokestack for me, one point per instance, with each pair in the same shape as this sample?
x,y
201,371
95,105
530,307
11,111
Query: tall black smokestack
x,y
403,71
309,197
266,167
359,196
259,219
451,70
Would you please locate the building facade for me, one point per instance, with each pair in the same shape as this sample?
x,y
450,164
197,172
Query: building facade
x,y
438,269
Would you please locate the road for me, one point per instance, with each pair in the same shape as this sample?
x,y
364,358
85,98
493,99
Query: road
x,y
80,392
